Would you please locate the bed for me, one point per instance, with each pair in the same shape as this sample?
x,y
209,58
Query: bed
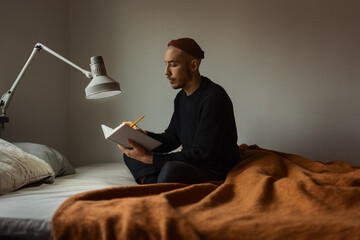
x,y
267,195
26,212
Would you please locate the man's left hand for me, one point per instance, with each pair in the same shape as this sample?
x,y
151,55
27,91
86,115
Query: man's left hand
x,y
137,152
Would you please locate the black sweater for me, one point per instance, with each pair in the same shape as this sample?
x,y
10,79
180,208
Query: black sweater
x,y
204,124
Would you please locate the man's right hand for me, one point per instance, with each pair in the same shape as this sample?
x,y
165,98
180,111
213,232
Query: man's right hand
x,y
135,127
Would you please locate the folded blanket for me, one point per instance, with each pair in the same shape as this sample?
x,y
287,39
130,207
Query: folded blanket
x,y
268,195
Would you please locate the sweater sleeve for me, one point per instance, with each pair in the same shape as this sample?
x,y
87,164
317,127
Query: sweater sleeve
x,y
215,117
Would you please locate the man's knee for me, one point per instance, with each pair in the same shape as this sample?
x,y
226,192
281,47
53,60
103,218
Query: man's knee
x,y
138,169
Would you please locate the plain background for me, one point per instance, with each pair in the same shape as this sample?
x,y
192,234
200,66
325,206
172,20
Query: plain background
x,y
291,68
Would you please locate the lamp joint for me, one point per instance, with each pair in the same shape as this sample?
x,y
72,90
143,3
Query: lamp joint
x,y
38,46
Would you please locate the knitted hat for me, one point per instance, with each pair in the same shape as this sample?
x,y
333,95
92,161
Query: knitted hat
x,y
188,45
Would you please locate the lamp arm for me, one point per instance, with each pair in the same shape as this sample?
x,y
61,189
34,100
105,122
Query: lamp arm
x,y
41,46
6,97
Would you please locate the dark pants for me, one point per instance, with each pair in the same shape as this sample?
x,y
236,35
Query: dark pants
x,y
172,171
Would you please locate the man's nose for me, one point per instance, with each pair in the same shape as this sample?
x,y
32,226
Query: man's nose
x,y
167,72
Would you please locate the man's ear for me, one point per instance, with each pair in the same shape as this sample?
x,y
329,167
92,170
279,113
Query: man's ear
x,y
194,65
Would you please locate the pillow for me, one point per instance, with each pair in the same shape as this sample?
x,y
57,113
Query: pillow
x,y
56,160
18,168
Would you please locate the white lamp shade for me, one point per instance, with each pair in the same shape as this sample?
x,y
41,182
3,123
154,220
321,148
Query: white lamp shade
x,y
102,87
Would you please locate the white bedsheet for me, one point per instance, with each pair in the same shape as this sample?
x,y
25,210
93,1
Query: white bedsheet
x,y
27,213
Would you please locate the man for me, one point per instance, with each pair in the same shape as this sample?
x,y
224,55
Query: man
x,y
203,124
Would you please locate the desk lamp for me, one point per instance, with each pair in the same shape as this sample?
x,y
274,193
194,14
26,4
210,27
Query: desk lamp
x,y
100,86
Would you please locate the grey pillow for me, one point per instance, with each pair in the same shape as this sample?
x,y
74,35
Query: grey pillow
x,y
58,162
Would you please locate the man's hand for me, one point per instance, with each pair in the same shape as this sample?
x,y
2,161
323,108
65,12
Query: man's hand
x,y
135,127
138,152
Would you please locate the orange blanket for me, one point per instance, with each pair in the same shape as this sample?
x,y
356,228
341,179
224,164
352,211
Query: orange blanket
x,y
268,195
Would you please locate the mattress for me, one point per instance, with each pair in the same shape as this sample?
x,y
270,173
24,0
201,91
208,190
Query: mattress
x,y
27,213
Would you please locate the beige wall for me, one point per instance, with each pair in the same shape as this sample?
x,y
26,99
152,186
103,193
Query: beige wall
x,y
290,67
39,110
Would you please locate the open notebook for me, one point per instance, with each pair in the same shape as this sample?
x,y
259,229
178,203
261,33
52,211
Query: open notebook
x,y
123,132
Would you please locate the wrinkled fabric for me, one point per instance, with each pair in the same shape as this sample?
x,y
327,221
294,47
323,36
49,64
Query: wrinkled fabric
x,y
268,195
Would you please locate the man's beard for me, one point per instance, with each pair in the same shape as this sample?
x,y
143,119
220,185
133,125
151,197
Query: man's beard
x,y
189,76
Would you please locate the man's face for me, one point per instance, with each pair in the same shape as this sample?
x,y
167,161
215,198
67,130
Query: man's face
x,y
177,68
